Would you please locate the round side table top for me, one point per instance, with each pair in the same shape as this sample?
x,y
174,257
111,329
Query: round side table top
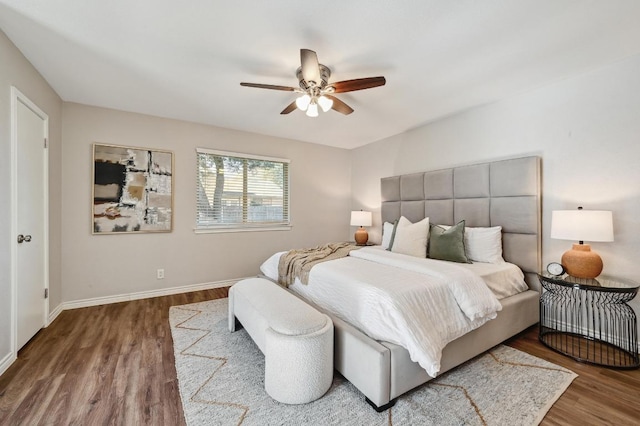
x,y
601,283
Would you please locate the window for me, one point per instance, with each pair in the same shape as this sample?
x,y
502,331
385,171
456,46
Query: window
x,y
241,192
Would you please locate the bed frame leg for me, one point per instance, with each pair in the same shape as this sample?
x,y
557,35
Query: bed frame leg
x,y
381,408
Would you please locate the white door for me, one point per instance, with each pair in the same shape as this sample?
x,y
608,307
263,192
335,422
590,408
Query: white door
x,y
30,275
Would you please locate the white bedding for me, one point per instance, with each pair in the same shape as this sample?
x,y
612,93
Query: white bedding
x,y
420,304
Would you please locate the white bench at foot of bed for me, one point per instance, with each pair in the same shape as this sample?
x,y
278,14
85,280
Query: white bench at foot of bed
x,y
296,339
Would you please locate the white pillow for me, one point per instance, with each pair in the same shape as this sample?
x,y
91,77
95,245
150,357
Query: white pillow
x,y
483,244
411,238
387,232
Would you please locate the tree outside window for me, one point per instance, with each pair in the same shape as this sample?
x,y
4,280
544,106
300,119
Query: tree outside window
x,y
236,190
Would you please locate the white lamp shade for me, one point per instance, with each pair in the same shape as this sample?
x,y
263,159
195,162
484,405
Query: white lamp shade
x,y
312,111
303,102
325,103
360,218
582,225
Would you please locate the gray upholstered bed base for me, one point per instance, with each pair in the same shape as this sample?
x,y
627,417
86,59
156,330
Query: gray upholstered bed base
x,y
505,193
383,371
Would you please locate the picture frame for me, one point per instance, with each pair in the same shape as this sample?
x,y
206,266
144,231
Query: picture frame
x,y
132,190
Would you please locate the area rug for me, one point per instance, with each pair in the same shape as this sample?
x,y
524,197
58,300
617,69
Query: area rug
x,y
221,380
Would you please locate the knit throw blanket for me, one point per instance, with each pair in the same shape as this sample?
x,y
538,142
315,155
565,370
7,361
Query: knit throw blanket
x,y
298,263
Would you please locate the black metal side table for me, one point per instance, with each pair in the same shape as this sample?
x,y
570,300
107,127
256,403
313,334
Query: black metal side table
x,y
589,319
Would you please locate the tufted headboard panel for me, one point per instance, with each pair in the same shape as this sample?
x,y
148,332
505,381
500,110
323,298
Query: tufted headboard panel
x,y
500,193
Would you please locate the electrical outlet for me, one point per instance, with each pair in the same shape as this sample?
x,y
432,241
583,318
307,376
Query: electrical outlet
x,y
160,274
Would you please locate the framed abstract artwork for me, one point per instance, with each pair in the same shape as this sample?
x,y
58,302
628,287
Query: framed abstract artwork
x,y
132,190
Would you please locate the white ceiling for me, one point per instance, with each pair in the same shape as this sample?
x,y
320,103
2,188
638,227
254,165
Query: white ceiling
x,y
185,59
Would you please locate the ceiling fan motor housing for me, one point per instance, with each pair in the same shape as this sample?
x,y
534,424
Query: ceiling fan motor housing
x,y
325,74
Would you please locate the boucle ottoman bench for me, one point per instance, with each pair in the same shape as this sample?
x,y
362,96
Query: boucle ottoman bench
x,y
296,339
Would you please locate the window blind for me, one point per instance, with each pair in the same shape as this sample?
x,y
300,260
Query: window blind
x,y
239,190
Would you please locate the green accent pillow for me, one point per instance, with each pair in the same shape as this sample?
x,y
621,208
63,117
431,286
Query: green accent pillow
x,y
447,244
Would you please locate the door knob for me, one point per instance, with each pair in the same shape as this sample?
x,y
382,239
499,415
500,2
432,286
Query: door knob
x,y
25,238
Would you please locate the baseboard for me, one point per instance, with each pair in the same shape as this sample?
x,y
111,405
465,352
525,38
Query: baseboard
x,y
84,303
54,314
6,362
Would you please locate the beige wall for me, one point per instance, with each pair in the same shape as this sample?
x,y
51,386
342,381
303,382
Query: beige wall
x,y
16,71
587,131
107,265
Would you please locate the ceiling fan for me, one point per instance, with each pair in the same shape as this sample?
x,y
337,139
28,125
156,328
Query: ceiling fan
x,y
315,88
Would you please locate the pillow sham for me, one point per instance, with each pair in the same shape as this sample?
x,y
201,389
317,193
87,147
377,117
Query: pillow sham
x,y
411,238
447,244
484,244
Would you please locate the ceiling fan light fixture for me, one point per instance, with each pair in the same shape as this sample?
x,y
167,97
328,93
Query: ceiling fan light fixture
x,y
303,102
325,103
312,111
315,89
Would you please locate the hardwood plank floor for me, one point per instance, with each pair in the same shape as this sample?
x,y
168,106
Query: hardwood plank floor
x,y
598,396
110,364
114,364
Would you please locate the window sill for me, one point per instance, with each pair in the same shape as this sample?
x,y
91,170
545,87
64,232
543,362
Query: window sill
x,y
222,229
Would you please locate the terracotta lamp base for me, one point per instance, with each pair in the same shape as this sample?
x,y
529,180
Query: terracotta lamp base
x,y
581,262
361,236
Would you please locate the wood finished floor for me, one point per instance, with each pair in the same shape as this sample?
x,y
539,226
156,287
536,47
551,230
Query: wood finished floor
x,y
114,364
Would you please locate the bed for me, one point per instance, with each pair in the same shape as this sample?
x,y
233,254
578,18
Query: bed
x,y
502,193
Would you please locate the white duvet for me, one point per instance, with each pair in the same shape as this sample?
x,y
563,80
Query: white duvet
x,y
420,304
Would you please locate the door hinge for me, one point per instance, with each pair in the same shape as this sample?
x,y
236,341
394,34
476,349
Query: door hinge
x,y
46,293
45,142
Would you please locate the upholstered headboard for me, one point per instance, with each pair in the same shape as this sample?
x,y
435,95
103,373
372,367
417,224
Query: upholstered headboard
x,y
500,193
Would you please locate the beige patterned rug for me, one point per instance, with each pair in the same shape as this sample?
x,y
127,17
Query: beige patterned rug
x,y
221,377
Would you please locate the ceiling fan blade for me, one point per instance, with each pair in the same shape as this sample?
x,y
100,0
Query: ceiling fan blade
x,y
358,84
340,106
292,106
269,86
310,66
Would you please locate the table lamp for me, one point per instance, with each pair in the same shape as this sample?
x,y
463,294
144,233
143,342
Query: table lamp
x,y
361,218
582,225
